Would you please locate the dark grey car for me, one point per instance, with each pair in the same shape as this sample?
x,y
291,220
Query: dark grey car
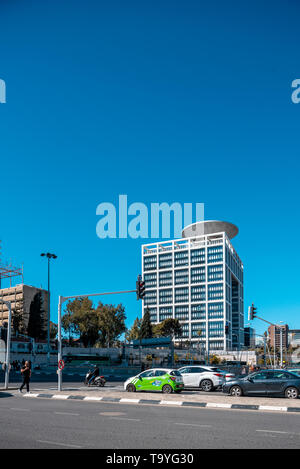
x,y
265,383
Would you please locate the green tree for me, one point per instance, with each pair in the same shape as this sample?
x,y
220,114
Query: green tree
x,y
146,326
134,332
80,318
36,320
169,328
111,323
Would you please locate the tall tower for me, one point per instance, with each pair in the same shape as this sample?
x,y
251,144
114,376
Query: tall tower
x,y
198,279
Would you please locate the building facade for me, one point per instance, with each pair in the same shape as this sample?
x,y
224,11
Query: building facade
x,y
274,333
21,297
198,280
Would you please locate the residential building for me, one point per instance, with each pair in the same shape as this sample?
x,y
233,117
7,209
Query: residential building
x,y
274,333
21,297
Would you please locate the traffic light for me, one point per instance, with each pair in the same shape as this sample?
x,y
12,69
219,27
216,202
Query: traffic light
x,y
252,311
140,288
226,330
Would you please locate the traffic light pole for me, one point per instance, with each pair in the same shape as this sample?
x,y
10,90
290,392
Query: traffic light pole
x,y
61,300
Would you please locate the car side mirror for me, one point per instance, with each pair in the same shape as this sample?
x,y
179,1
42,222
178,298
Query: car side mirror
x,y
250,379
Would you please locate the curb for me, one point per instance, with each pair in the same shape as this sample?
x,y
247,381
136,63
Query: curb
x,y
209,405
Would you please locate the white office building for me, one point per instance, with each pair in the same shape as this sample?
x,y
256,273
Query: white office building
x,y
197,279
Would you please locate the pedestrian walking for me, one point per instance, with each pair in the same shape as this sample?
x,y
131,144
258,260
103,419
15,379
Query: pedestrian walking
x,y
26,374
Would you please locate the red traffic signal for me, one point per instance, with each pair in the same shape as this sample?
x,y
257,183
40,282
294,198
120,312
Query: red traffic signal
x,y
140,289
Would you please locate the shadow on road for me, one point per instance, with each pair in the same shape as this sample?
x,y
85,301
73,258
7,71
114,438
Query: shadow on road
x,y
5,394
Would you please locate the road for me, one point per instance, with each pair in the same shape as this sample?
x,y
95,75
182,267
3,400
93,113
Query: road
x,y
44,423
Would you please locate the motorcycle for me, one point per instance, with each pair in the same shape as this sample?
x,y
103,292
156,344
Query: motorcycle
x,y
97,381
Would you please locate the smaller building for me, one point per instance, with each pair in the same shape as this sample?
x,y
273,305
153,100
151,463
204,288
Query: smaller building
x,y
249,337
21,296
274,333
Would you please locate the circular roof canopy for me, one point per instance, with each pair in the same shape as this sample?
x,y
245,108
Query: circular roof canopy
x,y
208,227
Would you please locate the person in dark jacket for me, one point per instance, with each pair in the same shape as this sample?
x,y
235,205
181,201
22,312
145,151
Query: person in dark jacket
x,y
26,374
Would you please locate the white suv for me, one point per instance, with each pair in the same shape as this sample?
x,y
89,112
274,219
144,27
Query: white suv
x,y
207,378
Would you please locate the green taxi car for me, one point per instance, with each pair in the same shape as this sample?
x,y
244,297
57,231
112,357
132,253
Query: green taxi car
x,y
165,380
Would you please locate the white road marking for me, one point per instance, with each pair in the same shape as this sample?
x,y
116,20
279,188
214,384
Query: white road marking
x,y
124,418
192,424
65,413
21,410
58,444
270,431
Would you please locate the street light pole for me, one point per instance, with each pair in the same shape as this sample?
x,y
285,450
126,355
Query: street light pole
x,y
49,256
7,361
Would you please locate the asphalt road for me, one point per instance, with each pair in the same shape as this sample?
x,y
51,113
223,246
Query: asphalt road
x,y
44,423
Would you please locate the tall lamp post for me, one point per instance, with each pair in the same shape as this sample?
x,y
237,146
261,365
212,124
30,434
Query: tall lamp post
x,y
49,256
7,361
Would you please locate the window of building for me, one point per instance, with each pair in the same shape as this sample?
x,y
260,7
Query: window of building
x,y
165,261
198,293
198,275
181,258
198,311
149,263
215,291
165,279
165,296
181,276
181,295
197,256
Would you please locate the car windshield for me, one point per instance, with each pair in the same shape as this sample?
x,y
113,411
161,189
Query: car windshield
x,y
175,373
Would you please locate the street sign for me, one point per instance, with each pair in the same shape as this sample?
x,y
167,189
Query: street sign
x,y
61,364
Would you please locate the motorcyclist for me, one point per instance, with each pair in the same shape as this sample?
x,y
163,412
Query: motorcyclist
x,y
94,375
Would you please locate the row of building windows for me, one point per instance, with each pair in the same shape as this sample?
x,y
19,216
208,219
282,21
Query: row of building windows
x,y
214,273
198,311
181,295
197,256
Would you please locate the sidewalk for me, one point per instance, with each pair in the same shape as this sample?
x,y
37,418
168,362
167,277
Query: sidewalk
x,y
196,400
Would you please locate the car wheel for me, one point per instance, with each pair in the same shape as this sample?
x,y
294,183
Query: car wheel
x,y
236,391
130,388
291,393
206,385
167,389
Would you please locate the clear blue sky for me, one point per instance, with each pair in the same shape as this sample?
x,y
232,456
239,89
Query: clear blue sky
x,y
163,101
